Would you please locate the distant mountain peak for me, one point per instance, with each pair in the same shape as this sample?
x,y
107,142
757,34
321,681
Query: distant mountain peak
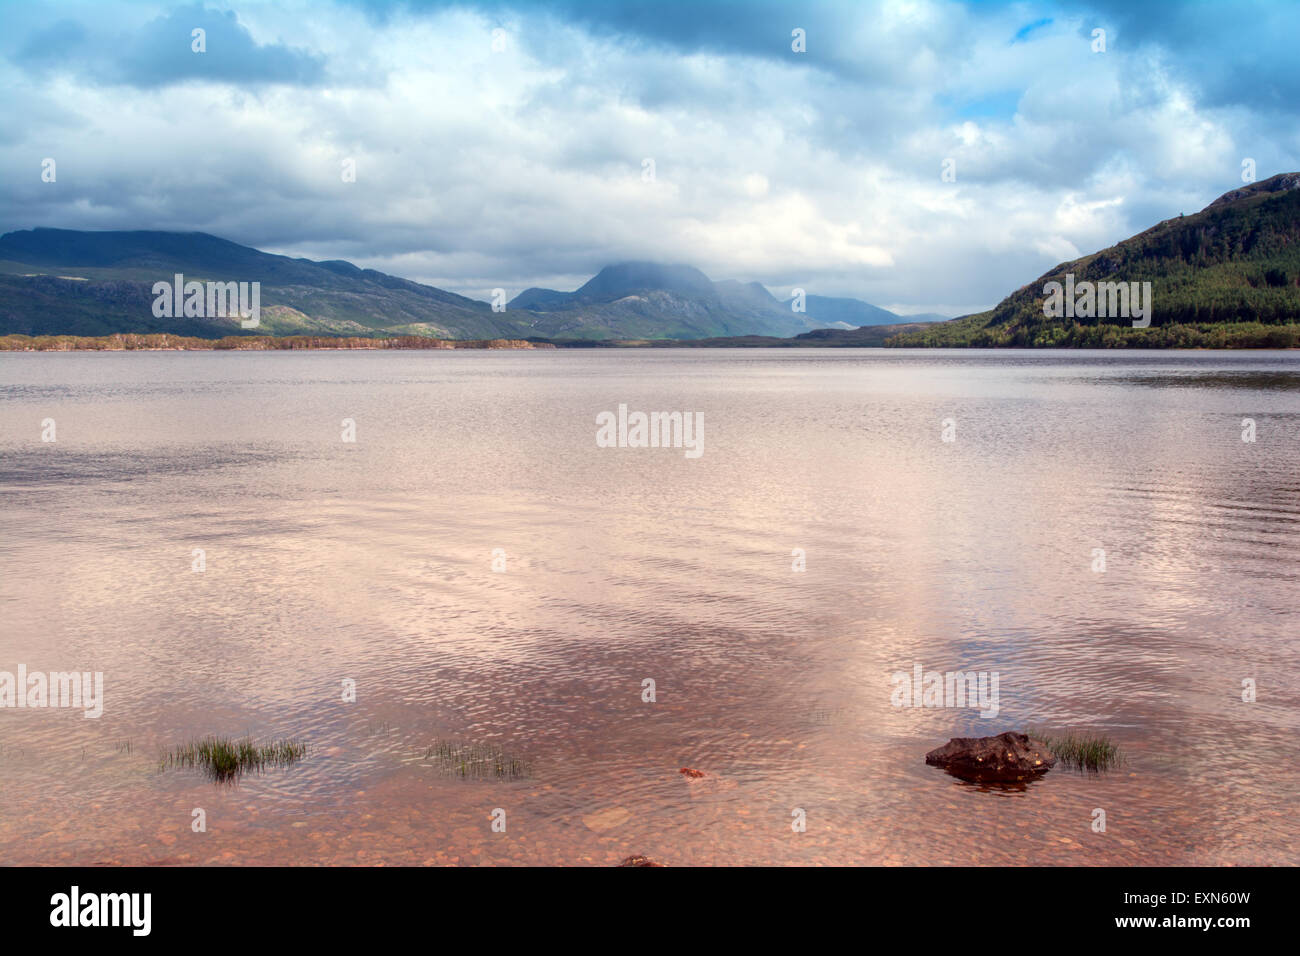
x,y
624,278
754,289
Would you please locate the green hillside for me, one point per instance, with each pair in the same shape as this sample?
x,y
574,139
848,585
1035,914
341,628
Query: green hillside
x,y
65,282
1225,277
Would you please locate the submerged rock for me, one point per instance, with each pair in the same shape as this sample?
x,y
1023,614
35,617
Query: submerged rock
x,y
704,786
639,861
607,819
1008,758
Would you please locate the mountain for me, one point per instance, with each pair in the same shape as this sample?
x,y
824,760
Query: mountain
x,y
646,300
542,300
630,278
59,281
749,295
65,282
846,313
1225,277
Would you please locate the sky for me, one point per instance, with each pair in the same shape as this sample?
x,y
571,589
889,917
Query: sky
x,y
502,144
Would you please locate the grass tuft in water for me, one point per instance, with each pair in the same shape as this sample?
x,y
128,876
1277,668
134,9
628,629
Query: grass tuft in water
x,y
476,761
226,759
1082,751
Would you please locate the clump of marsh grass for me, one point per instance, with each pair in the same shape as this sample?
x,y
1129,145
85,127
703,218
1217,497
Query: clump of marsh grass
x,y
225,759
1093,752
475,761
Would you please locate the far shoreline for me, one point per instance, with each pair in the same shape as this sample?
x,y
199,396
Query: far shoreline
x,y
165,342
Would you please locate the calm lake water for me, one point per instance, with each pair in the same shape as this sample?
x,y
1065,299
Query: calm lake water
x,y
372,561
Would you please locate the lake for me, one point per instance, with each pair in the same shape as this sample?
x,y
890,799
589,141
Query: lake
x,y
1090,527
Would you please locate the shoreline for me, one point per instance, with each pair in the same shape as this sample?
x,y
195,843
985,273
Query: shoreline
x,y
165,342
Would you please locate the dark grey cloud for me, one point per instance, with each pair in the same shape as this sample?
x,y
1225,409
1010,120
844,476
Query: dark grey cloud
x,y
161,52
1239,53
1234,54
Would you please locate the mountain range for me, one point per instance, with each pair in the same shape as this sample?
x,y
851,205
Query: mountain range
x,y
643,300
67,282
1227,276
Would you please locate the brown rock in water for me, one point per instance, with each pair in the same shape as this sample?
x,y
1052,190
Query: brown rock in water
x,y
639,861
1008,758
688,772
